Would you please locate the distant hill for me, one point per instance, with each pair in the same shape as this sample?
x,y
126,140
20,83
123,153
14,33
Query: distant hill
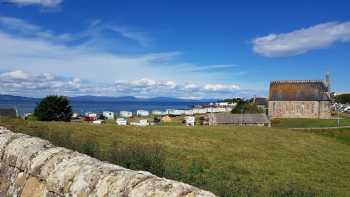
x,y
5,97
133,99
106,99
100,98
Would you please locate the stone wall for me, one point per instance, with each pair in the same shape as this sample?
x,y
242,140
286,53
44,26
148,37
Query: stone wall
x,y
32,167
299,109
325,110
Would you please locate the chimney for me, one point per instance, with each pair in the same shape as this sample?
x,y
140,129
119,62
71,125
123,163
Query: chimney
x,y
328,81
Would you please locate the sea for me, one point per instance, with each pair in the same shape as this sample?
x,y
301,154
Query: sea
x,y
100,106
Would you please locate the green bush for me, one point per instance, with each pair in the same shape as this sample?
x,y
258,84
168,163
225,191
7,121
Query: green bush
x,y
53,108
343,98
31,117
247,108
244,106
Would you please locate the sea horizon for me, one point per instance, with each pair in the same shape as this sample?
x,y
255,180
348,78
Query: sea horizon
x,y
100,106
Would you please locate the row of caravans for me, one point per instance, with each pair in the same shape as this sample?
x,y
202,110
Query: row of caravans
x,y
123,115
90,116
189,112
144,113
188,121
93,117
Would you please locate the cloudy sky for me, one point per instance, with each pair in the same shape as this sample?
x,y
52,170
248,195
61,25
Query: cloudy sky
x,y
169,48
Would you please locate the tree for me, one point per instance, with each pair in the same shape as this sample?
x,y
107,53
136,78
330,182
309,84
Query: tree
x,y
234,100
246,106
343,98
53,108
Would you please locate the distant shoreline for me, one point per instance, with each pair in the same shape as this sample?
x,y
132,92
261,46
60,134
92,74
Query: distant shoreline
x,y
100,106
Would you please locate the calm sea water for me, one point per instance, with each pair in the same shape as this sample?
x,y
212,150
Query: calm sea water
x,y
88,106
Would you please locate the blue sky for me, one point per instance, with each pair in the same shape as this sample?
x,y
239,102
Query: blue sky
x,y
188,49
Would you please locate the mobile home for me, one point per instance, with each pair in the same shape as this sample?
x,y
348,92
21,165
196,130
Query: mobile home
x,y
125,114
108,115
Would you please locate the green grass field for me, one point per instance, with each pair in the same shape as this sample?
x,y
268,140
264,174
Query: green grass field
x,y
229,161
340,134
311,123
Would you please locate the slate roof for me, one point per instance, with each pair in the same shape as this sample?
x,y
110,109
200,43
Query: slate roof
x,y
260,101
298,90
227,118
8,112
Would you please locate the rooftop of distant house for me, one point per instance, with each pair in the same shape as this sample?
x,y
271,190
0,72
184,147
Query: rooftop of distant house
x,y
8,112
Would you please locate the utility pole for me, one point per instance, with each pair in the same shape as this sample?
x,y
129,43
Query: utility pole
x,y
212,117
241,117
338,119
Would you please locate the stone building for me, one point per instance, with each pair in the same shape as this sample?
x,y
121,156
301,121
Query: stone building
x,y
8,112
239,119
261,103
300,99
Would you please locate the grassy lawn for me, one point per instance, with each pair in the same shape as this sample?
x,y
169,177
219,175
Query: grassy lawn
x,y
310,123
228,161
340,134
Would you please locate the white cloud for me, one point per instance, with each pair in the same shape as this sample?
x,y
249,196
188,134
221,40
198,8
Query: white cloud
x,y
14,75
23,83
23,28
28,50
43,3
220,87
96,32
150,87
18,24
47,54
137,36
97,27
302,40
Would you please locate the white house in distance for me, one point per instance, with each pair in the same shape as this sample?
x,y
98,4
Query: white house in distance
x,y
121,121
89,116
158,113
141,123
199,110
189,120
222,104
142,113
176,112
75,115
125,114
215,109
109,115
189,112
